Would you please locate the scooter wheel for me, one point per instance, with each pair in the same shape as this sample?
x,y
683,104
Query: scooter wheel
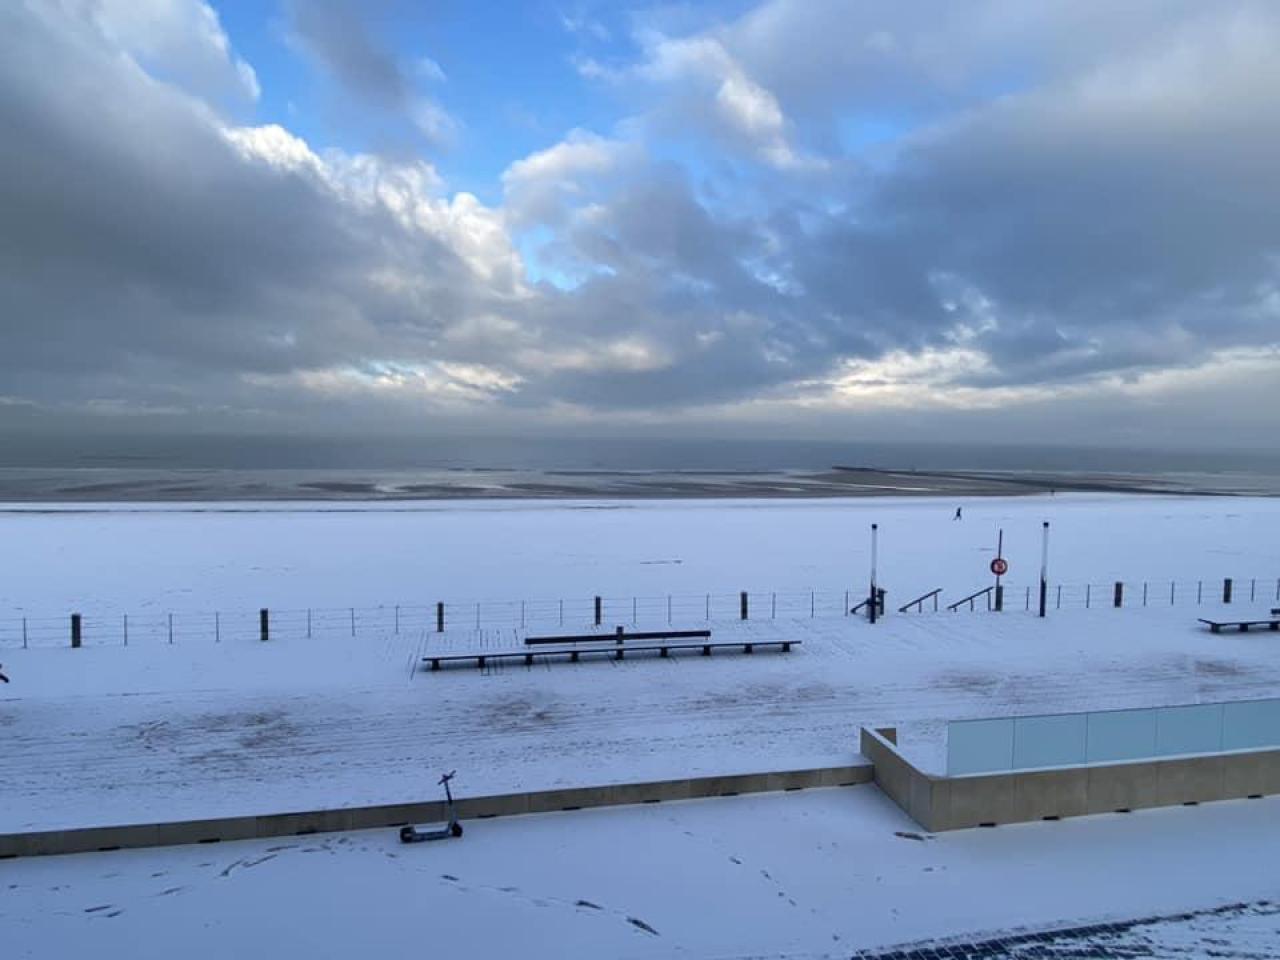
x,y
456,829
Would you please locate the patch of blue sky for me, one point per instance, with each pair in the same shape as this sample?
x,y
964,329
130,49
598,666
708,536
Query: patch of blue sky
x,y
507,78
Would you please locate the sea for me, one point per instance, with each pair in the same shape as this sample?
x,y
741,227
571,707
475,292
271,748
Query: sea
x,y
291,468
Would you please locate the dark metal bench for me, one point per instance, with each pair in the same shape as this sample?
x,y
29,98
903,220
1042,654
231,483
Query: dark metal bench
x,y
574,654
619,637
1242,625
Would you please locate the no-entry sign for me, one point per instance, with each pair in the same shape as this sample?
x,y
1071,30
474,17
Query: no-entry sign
x,y
999,566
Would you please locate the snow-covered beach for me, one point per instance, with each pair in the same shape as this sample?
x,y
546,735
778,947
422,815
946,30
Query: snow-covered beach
x,y
156,730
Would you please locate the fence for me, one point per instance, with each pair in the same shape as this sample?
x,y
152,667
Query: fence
x,y
127,629
291,623
1124,593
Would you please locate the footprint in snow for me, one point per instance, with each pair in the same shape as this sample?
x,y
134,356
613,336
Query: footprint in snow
x,y
642,926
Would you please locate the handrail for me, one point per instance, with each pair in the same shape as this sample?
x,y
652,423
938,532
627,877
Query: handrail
x,y
985,591
857,608
919,601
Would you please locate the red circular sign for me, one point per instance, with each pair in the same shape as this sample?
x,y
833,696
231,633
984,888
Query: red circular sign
x,y
999,566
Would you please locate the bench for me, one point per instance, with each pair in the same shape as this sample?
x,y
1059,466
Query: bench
x,y
1243,625
619,637
574,654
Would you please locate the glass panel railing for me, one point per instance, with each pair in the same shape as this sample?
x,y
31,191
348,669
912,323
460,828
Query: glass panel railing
x,y
979,746
1049,741
1106,736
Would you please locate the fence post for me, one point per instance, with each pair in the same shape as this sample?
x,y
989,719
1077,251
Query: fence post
x,y
1144,593
308,623
521,614
773,606
709,600
1199,591
353,621
264,625
1172,587
812,605
743,604
217,628
1119,599
24,633
126,629
598,610
668,609
1226,590
75,630
1027,605
633,610
397,618
1253,588
171,628
562,611
440,616
1059,603
1088,589
846,603
999,597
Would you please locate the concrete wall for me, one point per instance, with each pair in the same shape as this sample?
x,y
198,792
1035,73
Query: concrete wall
x,y
393,815
953,803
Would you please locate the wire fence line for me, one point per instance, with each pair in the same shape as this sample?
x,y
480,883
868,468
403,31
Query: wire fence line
x,y
584,613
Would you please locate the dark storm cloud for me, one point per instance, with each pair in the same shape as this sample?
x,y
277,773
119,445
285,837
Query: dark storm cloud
x,y
136,239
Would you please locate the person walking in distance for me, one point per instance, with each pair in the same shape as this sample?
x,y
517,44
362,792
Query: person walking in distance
x,y
957,516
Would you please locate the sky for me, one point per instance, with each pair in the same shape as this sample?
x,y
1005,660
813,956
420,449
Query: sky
x,y
828,219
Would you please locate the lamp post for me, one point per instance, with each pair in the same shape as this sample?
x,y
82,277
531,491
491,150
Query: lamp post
x,y
1044,569
875,530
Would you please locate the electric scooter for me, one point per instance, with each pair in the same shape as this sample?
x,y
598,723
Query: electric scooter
x,y
411,834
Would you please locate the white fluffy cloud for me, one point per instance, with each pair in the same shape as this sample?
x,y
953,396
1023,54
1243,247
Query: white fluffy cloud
x,y
180,39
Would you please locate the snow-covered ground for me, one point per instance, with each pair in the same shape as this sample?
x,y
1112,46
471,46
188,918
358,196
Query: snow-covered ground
x,y
813,874
116,734
109,559
110,734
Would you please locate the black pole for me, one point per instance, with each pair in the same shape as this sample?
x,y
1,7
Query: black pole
x,y
1119,600
264,625
440,617
75,630
999,555
872,604
1226,590
1044,569
598,611
743,603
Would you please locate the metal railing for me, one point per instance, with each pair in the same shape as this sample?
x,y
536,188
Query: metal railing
x,y
97,629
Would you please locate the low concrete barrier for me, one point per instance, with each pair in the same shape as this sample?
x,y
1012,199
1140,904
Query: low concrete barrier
x,y
86,839
1019,796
